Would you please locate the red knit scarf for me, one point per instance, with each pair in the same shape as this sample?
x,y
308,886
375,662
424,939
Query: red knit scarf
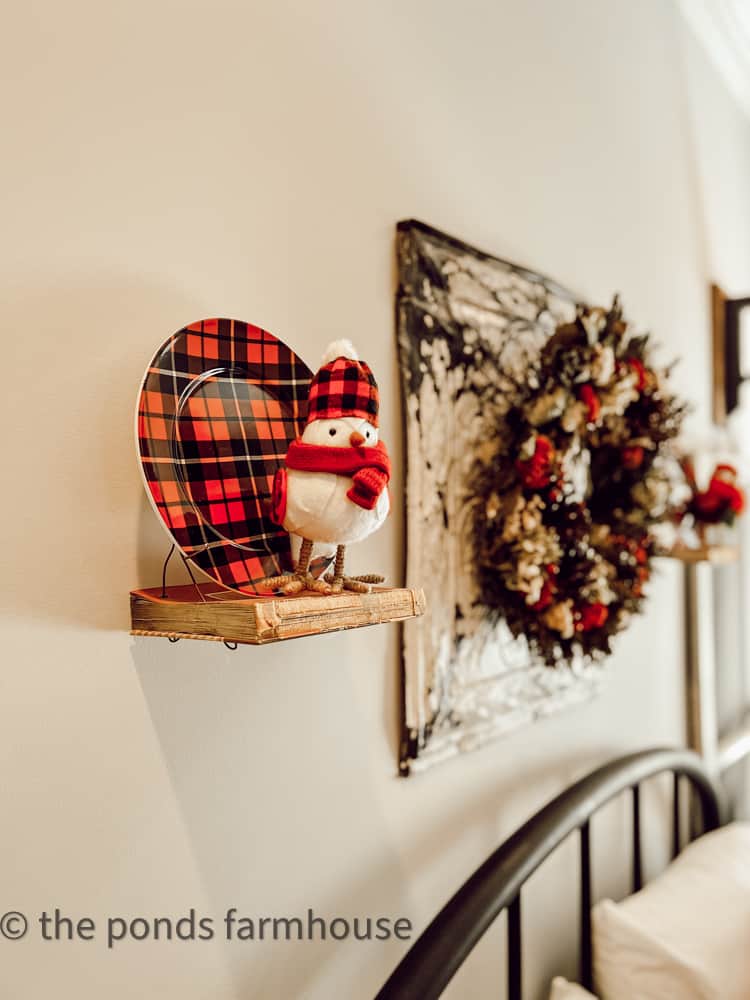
x,y
369,468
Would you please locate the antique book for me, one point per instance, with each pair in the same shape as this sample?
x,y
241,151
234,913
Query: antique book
x,y
206,611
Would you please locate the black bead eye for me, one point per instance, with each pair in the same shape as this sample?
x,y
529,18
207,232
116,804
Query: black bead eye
x,y
332,432
367,434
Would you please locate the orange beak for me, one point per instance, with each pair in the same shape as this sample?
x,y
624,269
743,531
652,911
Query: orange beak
x,y
356,440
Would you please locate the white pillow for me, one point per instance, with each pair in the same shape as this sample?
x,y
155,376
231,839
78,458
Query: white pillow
x,y
561,989
687,933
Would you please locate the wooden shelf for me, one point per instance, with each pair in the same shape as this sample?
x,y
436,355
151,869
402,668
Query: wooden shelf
x,y
207,612
718,555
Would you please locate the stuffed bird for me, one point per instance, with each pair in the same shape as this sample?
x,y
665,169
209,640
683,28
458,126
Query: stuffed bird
x,y
332,487
721,502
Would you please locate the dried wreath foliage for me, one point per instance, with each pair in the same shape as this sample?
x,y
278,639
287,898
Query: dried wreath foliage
x,y
566,506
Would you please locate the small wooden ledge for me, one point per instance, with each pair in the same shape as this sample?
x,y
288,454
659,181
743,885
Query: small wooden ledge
x,y
718,555
207,612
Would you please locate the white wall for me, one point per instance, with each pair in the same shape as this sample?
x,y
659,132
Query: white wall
x,y
169,161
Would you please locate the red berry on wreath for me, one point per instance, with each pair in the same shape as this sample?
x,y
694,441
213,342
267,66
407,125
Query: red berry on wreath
x,y
641,371
591,616
591,401
536,472
546,597
632,457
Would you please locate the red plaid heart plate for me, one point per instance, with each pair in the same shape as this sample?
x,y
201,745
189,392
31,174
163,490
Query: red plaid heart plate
x,y
219,405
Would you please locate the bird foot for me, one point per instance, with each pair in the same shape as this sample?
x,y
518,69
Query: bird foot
x,y
294,583
357,584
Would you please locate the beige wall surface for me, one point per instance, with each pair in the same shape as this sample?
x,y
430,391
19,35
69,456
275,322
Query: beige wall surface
x,y
164,162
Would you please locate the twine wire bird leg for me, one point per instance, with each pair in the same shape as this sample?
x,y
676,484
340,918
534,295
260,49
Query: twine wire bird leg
x,y
339,581
300,579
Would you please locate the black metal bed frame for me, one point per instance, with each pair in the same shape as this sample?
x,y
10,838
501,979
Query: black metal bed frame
x,y
437,954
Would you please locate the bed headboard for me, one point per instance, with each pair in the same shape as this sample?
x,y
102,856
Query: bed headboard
x,y
437,954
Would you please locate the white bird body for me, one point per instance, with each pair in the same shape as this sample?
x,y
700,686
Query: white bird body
x,y
317,507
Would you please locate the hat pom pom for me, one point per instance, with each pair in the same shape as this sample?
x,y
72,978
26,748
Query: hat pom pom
x,y
339,349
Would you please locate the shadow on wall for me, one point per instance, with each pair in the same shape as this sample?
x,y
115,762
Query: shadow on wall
x,y
272,778
82,508
275,786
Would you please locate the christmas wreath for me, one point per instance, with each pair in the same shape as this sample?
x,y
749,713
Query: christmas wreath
x,y
567,503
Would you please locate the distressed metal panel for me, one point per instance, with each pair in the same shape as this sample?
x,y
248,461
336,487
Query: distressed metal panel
x,y
464,319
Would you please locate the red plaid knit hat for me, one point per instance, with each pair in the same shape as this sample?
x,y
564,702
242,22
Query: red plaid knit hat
x,y
343,386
